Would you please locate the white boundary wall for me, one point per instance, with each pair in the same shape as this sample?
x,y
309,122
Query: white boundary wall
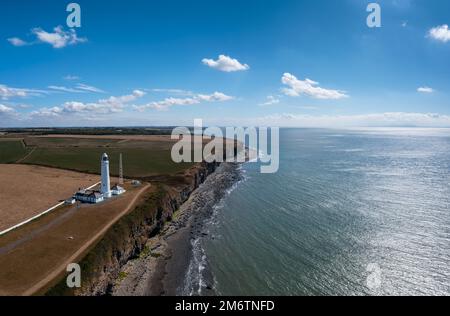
x,y
40,215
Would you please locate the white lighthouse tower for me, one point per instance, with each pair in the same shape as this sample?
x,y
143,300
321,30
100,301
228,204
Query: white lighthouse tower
x,y
106,182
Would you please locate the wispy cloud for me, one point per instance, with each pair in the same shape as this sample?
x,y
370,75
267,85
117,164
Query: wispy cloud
x,y
226,64
6,110
15,41
64,89
425,90
9,92
440,33
167,103
309,88
85,87
270,100
59,38
80,88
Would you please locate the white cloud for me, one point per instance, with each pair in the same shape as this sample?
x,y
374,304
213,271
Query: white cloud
x,y
440,33
97,108
6,109
226,64
425,90
167,103
8,92
103,106
47,112
118,102
64,89
59,38
215,97
270,100
17,41
80,88
308,87
84,87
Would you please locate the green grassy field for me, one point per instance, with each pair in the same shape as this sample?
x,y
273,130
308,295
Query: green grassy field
x,y
140,158
11,151
68,142
137,162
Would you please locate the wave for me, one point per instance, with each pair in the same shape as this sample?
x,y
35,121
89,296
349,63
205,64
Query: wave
x,y
199,279
195,282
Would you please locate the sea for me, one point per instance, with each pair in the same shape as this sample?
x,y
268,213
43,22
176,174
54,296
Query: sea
x,y
350,212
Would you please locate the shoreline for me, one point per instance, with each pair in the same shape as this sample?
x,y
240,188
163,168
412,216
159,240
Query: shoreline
x,y
167,266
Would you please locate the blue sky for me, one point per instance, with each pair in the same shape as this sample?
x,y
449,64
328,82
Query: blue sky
x,y
284,63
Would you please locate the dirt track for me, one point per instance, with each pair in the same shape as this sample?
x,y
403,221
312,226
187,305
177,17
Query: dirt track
x,y
38,286
33,256
26,191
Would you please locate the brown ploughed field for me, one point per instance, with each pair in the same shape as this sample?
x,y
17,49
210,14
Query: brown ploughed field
x,y
35,255
26,191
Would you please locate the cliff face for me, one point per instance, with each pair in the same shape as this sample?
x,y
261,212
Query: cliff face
x,y
101,267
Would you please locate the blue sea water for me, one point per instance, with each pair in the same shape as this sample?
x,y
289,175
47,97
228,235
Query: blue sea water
x,y
359,212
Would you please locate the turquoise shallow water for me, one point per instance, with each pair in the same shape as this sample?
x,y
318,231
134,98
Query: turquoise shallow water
x,y
343,205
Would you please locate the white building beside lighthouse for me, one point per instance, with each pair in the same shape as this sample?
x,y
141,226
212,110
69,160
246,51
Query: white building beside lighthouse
x,y
106,192
106,181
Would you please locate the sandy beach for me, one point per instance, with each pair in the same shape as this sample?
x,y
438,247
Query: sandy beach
x,y
166,265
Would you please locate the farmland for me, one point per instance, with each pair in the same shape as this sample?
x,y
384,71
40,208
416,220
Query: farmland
x,y
12,150
138,162
26,191
38,171
32,256
142,155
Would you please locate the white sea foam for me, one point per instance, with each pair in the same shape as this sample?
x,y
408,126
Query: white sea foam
x,y
198,273
194,282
